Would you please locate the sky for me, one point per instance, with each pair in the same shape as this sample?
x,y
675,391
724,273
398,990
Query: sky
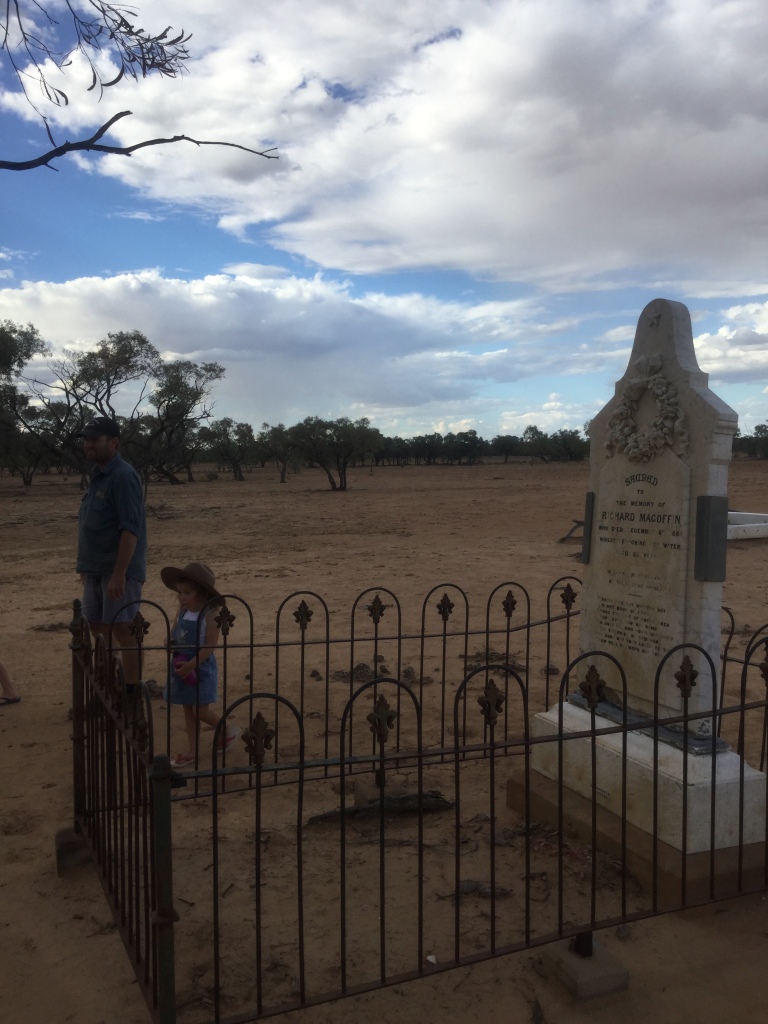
x,y
473,202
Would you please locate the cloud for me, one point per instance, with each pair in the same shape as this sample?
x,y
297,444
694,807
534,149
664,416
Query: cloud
x,y
569,151
139,215
295,346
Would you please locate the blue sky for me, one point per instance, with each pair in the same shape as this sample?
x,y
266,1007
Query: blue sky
x,y
473,202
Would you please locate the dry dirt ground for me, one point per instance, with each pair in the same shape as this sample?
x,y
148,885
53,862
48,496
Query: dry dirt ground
x,y
403,528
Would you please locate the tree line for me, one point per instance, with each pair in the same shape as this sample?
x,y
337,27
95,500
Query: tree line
x,y
168,428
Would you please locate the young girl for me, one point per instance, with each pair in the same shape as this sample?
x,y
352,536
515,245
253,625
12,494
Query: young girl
x,y
194,675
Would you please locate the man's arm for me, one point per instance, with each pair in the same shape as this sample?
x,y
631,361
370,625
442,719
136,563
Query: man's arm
x,y
125,550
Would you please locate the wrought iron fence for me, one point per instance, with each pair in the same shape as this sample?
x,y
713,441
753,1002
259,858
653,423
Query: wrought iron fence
x,y
378,823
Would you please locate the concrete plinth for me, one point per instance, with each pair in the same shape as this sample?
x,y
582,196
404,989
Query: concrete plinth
x,y
585,977
725,870
674,773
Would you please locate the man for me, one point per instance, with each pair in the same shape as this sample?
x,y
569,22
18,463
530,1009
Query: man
x,y
112,541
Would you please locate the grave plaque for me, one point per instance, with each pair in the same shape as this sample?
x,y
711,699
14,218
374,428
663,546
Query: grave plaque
x,y
658,498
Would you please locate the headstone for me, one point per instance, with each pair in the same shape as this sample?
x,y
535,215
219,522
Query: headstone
x,y
654,552
659,516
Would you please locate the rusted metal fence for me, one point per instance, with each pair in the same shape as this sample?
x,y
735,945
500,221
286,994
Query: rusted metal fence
x,y
393,808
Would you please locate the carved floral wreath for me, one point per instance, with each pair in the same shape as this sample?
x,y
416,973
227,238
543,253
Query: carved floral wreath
x,y
667,429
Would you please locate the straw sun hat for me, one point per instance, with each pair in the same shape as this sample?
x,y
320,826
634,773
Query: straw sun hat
x,y
195,572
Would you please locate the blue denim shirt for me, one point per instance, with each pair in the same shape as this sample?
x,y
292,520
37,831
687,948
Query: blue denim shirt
x,y
114,502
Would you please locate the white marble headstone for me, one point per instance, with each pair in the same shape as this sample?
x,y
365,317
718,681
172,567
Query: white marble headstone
x,y
659,467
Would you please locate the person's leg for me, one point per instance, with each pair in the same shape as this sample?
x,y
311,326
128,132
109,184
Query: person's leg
x,y
209,715
9,692
112,619
190,724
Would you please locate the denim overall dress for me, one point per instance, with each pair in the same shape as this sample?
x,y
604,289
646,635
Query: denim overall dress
x,y
184,641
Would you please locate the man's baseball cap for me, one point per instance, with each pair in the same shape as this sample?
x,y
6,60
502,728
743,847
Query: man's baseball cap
x,y
100,426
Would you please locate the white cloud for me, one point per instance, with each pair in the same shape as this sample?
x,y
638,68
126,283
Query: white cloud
x,y
297,346
140,215
557,147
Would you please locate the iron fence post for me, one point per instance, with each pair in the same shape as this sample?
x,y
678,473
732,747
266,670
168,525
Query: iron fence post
x,y
78,715
164,916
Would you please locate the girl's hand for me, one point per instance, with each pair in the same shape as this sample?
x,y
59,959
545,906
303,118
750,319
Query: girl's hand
x,y
183,668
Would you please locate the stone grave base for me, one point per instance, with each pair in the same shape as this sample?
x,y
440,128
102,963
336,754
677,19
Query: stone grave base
x,y
577,819
675,774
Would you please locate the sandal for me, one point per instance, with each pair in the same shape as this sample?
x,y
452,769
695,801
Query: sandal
x,y
183,761
230,740
5,701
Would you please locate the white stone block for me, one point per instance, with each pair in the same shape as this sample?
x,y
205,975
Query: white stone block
x,y
640,769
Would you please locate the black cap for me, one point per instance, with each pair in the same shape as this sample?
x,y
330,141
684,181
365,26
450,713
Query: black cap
x,y
100,426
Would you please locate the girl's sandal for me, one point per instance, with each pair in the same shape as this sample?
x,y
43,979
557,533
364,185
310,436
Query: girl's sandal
x,y
183,761
230,740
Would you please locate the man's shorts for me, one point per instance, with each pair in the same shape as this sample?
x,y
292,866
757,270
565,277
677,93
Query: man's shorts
x,y
98,607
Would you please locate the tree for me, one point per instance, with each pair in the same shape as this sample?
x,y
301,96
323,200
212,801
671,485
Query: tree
x,y
36,52
18,344
333,444
165,401
569,446
277,443
21,451
164,441
535,442
426,448
506,445
229,443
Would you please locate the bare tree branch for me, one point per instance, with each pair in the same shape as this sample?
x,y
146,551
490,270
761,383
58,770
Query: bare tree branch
x,y
106,28
92,145
110,29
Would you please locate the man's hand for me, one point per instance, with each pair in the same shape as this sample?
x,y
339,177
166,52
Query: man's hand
x,y
116,585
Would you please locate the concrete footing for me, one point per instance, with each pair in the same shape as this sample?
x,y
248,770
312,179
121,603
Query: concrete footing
x,y
71,850
585,977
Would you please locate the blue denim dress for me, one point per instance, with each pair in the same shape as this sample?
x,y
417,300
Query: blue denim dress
x,y
184,640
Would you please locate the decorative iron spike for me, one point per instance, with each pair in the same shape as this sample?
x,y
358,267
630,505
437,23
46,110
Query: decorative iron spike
x,y
686,677
258,738
382,719
376,609
491,702
138,627
445,607
593,687
303,615
568,597
509,604
225,620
